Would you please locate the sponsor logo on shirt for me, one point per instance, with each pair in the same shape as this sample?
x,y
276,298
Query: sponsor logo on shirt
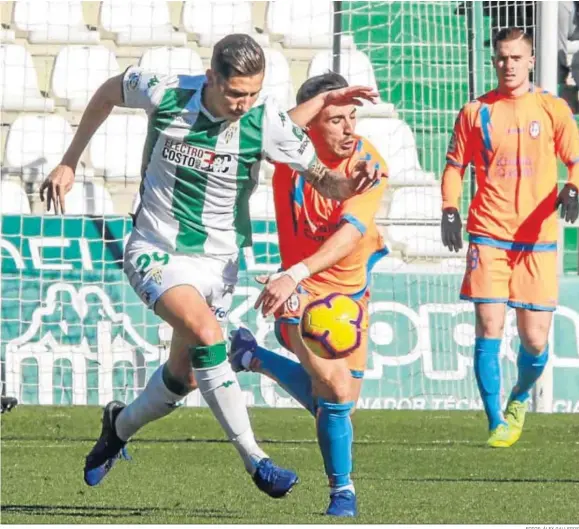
x,y
305,143
195,157
534,129
513,167
133,80
152,81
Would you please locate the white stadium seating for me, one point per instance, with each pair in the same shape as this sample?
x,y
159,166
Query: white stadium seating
x,y
303,24
13,199
19,81
172,61
140,23
211,21
277,82
88,198
35,145
117,147
414,222
261,204
395,141
357,69
54,21
79,71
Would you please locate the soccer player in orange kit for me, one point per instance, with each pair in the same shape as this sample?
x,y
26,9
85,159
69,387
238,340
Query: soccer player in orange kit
x,y
325,246
512,135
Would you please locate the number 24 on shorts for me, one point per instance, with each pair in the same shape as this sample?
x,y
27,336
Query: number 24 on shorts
x,y
145,260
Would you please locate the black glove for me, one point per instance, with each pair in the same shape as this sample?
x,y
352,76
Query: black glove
x,y
567,199
451,228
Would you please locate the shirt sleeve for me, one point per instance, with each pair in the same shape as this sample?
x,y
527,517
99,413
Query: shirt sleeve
x,y
142,88
566,137
458,156
361,209
283,141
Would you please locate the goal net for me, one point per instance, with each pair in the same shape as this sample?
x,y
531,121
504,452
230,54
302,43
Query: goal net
x,y
72,329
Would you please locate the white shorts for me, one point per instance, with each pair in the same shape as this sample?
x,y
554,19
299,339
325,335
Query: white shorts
x,y
152,271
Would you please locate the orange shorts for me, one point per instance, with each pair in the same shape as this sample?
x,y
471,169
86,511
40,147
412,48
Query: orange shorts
x,y
291,312
522,278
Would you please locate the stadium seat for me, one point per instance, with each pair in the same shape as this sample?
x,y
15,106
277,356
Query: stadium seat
x,y
211,21
172,61
261,203
88,198
277,82
35,145
140,23
13,199
304,24
357,69
79,71
414,222
19,82
7,35
116,149
395,142
54,21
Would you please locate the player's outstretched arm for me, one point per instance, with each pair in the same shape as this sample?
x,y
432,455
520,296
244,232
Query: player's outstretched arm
x,y
61,178
337,186
302,114
279,287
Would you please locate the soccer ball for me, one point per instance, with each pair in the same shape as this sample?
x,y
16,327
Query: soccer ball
x,y
332,326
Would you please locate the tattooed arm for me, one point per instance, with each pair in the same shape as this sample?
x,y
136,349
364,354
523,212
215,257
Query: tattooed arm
x,y
336,185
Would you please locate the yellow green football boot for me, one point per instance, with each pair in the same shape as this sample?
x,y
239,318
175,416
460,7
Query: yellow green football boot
x,y
500,437
515,417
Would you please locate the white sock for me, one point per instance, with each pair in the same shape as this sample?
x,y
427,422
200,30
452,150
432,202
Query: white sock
x,y
221,391
154,402
349,487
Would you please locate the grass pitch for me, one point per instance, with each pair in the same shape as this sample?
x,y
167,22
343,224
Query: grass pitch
x,y
409,467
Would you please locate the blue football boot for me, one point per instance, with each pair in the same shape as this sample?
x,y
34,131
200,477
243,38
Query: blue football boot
x,y
275,481
343,504
241,341
107,449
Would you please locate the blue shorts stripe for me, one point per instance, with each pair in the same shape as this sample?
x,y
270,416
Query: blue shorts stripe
x,y
530,306
483,300
515,246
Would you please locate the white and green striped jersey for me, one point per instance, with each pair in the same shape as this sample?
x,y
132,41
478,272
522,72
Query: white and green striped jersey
x,y
197,169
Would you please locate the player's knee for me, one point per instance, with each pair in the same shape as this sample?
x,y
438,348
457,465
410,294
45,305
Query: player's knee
x,y
203,332
337,385
535,341
490,327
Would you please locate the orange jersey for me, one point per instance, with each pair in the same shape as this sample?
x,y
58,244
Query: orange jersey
x,y
513,144
305,220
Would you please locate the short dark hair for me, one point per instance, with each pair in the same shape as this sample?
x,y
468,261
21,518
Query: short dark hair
x,y
237,55
512,33
318,84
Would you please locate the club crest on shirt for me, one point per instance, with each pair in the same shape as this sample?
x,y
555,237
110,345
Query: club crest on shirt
x,y
293,303
534,129
230,131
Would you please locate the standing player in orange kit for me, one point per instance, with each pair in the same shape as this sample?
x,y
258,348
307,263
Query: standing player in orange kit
x,y
326,246
512,135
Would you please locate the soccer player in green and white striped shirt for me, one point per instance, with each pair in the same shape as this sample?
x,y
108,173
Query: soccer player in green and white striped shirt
x,y
205,135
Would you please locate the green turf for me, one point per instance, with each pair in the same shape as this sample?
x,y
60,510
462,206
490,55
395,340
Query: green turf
x,y
410,467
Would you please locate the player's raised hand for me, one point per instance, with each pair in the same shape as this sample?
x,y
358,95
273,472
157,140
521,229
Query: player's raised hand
x,y
57,184
278,288
351,95
451,229
366,174
569,203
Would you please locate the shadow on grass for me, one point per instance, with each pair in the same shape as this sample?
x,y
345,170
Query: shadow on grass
x,y
94,511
